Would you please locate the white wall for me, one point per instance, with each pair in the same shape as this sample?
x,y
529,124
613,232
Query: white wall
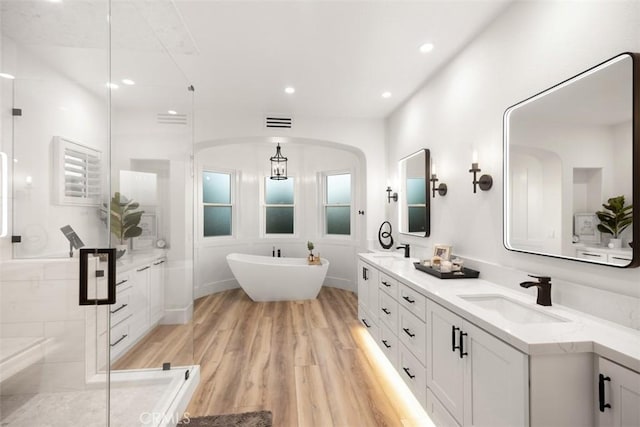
x,y
52,105
367,135
137,141
530,47
249,161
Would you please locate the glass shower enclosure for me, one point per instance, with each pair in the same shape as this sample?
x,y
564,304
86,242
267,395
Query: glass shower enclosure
x,y
96,253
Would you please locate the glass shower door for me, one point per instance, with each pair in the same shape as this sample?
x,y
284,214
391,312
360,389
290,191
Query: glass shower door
x,y
54,100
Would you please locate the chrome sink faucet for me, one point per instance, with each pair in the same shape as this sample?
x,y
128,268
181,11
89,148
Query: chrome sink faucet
x,y
544,289
406,250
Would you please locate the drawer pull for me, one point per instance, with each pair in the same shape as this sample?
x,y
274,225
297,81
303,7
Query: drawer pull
x,y
143,268
122,282
454,347
409,300
365,273
588,254
386,284
119,340
621,259
406,371
461,345
386,344
119,308
408,332
601,399
158,263
384,309
365,323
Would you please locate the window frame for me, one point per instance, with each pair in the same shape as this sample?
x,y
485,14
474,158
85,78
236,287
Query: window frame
x,y
325,204
233,176
264,206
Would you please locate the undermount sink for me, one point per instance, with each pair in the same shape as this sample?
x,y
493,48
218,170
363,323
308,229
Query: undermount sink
x,y
512,310
388,256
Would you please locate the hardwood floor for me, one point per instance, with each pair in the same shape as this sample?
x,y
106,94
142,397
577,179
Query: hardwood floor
x,y
309,362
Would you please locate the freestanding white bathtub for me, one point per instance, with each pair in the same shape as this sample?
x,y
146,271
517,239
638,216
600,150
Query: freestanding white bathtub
x,y
266,278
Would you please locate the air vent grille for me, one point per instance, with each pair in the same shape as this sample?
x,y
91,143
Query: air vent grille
x,y
278,122
172,119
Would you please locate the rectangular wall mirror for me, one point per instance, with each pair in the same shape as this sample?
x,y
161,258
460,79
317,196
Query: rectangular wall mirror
x,y
569,150
415,204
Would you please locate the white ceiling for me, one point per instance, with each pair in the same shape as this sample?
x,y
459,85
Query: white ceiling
x,y
240,55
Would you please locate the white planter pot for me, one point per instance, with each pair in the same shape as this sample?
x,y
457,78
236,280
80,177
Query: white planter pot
x,y
615,243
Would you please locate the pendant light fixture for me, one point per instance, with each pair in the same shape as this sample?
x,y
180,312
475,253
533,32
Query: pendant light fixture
x,y
278,165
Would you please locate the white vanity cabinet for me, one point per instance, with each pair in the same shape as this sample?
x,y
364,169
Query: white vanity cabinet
x,y
618,391
480,380
139,306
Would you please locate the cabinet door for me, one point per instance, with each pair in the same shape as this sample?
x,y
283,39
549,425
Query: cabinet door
x,y
368,286
445,368
620,389
496,381
156,291
140,301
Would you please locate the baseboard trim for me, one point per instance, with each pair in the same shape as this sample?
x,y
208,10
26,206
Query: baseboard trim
x,y
215,287
340,283
177,316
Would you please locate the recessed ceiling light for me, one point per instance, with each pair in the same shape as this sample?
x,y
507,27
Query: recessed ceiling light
x,y
426,47
386,94
7,76
112,85
172,112
290,90
128,82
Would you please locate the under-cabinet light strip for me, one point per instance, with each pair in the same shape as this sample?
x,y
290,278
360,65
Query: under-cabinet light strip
x,y
4,164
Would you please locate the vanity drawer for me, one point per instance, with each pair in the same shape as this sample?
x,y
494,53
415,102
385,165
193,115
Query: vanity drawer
x,y
591,255
389,344
123,281
389,285
413,373
119,338
413,301
388,311
413,333
618,259
121,309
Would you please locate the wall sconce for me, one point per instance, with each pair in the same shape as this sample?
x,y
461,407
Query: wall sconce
x,y
442,188
390,196
485,182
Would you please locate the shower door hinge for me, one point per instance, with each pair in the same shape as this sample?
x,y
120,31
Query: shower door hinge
x,y
16,111
16,239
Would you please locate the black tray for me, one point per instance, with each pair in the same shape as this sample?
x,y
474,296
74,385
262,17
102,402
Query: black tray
x,y
466,273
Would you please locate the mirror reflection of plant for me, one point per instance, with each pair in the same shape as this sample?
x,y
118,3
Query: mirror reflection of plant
x,y
618,219
125,218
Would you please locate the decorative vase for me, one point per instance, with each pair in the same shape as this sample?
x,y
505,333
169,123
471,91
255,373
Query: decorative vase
x,y
615,243
311,257
120,250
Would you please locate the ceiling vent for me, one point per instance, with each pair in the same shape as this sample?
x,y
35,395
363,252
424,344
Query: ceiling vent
x,y
279,122
172,119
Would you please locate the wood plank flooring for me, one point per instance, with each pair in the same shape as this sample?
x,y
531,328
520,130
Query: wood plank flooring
x,y
306,361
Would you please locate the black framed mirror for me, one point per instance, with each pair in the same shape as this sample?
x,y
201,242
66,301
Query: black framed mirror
x,y
571,158
415,203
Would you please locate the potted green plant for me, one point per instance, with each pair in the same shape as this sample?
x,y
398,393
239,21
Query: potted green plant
x,y
310,246
124,221
615,219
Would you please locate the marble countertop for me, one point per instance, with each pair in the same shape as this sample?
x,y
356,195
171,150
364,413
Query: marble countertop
x,y
578,332
135,259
